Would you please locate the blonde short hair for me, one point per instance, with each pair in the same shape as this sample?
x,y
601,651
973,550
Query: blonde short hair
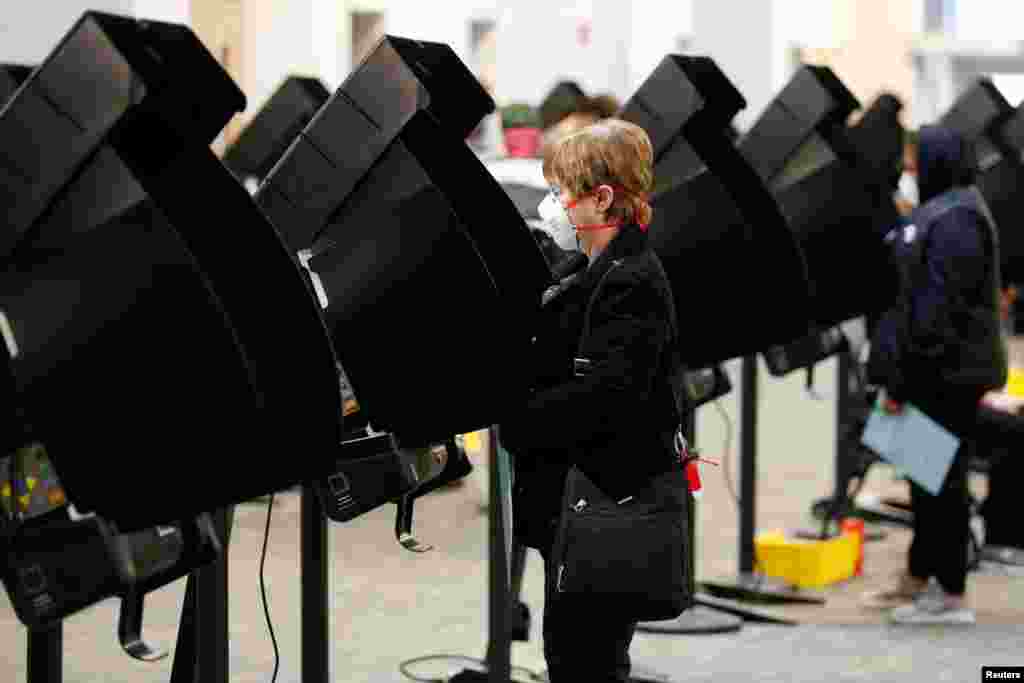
x,y
610,152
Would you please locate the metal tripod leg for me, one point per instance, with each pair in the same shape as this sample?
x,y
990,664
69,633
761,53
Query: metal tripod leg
x,y
499,647
315,590
46,654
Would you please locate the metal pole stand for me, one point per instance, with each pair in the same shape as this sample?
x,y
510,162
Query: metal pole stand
x,y
46,654
750,586
201,654
829,510
315,595
499,644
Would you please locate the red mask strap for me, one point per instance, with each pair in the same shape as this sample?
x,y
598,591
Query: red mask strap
x,y
598,226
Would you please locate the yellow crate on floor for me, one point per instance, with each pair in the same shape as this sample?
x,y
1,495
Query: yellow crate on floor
x,y
474,442
806,563
1015,383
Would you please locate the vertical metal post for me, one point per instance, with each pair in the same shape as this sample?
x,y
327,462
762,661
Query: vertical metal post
x,y
499,654
748,463
212,603
315,595
751,586
844,399
46,654
184,668
202,652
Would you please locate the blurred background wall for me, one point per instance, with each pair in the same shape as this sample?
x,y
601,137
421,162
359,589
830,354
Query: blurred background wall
x,y
926,51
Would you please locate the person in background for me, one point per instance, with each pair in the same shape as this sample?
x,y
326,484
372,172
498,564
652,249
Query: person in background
x,y
910,361
586,112
607,105
1003,550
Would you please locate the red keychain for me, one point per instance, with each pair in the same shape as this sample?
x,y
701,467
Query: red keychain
x,y
689,461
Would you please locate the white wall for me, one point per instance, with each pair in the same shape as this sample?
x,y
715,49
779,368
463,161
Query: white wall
x,y
440,22
743,38
29,30
173,11
539,44
28,34
300,37
994,20
657,27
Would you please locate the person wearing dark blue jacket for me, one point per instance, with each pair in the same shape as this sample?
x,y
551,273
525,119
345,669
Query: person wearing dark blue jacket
x,y
927,350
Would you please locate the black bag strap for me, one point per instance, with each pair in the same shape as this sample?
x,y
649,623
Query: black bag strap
x,y
590,307
570,479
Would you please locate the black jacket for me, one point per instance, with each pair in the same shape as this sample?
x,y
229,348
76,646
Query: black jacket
x,y
615,423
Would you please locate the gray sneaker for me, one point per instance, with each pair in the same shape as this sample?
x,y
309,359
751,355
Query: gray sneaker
x,y
903,592
1004,560
933,609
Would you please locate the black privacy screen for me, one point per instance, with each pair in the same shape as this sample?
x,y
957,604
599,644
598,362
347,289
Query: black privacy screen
x,y
266,137
11,76
1002,185
838,206
163,326
996,133
430,274
716,228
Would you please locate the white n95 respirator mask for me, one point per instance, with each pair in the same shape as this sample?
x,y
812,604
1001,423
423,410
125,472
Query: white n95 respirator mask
x,y
557,223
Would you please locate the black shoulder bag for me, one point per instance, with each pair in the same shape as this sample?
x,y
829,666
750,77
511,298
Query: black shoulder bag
x,y
628,554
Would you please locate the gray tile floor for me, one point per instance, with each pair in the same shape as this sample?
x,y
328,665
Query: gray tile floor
x,y
388,605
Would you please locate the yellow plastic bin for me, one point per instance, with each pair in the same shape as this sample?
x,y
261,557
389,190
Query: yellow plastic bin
x,y
1015,383
806,563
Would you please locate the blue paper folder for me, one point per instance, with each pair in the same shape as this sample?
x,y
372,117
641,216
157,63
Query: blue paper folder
x,y
914,443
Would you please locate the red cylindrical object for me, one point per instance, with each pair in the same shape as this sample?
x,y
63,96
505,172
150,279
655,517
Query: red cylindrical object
x,y
693,478
856,527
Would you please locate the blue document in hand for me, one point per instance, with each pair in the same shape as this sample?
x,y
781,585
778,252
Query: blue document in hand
x,y
913,442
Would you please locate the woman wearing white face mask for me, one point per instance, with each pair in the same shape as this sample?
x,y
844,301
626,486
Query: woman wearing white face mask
x,y
606,406
587,219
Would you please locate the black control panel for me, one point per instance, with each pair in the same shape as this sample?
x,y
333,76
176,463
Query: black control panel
x,y
56,561
805,352
369,473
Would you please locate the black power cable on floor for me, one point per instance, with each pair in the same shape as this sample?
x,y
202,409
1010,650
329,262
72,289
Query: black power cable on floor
x,y
263,590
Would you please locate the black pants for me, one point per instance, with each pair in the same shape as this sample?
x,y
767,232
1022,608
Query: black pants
x,y
941,529
583,642
1002,506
